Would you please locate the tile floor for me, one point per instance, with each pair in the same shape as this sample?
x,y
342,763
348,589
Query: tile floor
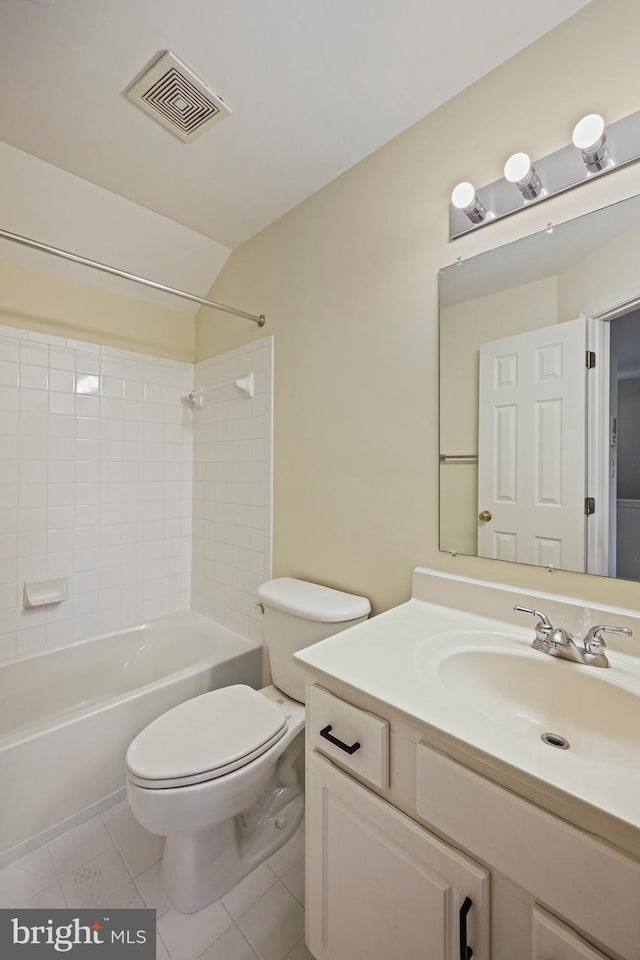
x,y
111,861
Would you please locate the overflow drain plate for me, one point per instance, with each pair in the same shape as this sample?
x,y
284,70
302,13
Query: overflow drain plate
x,y
555,740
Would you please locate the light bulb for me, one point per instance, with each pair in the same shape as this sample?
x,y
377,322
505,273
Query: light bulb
x,y
587,133
590,139
464,198
519,171
517,168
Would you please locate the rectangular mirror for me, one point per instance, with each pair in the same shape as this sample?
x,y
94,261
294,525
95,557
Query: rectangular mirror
x,y
540,398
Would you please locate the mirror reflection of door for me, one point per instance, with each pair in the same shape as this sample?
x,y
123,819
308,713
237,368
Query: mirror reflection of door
x,y
587,267
624,446
532,446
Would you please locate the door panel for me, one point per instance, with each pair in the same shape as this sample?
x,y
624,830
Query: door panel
x,y
532,447
381,886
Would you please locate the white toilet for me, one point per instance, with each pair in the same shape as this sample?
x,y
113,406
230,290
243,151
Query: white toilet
x,y
221,775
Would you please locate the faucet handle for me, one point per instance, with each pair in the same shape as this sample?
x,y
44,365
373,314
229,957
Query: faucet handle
x,y
543,621
593,642
543,628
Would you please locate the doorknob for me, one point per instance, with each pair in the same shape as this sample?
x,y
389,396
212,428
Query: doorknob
x,y
485,515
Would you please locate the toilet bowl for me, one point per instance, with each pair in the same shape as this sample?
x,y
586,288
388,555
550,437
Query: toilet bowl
x,y
221,776
194,797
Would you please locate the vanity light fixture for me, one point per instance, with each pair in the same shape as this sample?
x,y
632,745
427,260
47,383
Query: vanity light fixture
x,y
595,150
520,171
465,198
590,139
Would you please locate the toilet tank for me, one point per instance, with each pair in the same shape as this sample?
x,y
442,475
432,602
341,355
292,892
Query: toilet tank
x,y
298,613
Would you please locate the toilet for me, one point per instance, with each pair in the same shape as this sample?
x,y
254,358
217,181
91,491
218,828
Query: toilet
x,y
221,776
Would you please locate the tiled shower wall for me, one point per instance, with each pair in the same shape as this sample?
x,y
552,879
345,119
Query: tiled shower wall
x,y
95,484
232,504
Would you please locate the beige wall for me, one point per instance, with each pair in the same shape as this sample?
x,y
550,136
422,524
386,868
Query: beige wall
x,y
607,277
38,300
348,282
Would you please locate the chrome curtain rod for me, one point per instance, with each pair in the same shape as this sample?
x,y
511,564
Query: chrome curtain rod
x,y
96,265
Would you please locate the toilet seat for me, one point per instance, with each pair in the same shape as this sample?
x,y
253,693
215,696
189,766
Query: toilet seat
x,y
205,738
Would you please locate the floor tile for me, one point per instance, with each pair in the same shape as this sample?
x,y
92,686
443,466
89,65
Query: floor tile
x,y
186,936
161,951
285,858
126,898
148,883
270,918
230,946
25,878
249,890
50,899
138,848
274,924
94,881
293,880
299,952
84,842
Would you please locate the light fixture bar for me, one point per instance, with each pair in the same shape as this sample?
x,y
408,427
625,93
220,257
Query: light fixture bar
x,y
563,170
96,265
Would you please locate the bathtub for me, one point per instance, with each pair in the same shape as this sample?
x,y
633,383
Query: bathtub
x,y
67,717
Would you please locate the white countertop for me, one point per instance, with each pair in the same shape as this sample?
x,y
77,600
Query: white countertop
x,y
403,659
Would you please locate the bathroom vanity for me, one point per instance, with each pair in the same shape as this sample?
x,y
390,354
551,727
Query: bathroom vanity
x,y
440,825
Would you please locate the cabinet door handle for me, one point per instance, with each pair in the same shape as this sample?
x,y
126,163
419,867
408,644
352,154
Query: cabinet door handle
x,y
465,950
326,733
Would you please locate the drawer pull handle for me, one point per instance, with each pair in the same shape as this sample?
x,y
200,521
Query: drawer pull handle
x,y
465,950
326,733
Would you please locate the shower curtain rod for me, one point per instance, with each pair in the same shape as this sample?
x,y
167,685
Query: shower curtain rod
x,y
96,265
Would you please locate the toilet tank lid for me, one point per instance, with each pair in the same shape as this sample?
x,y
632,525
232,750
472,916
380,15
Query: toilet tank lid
x,y
311,601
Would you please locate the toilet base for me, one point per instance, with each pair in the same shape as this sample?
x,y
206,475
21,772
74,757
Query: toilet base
x,y
198,868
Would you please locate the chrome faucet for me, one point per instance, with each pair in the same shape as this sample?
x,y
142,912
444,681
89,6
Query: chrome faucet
x,y
594,644
558,642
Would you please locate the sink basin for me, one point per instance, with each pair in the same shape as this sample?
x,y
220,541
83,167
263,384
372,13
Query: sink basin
x,y
531,693
484,698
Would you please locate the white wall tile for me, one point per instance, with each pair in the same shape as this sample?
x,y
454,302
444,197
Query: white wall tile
x,y
232,490
70,466
98,454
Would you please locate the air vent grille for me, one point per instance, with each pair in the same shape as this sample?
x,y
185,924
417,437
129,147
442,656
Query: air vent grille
x,y
174,96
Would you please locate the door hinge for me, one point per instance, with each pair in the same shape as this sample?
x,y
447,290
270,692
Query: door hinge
x,y
590,359
589,506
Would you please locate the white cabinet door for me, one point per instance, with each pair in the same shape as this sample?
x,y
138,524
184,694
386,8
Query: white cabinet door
x,y
531,447
379,886
553,940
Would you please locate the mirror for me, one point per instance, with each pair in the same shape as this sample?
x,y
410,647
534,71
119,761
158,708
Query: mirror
x,y
540,398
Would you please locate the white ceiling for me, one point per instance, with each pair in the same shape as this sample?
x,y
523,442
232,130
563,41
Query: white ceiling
x,y
314,85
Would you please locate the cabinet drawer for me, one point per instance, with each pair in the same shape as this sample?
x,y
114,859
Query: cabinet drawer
x,y
590,883
362,738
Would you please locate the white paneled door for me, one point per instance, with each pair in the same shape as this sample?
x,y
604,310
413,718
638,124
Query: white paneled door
x,y
531,447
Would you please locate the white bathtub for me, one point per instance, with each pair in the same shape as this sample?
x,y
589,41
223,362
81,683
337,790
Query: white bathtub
x,y
67,716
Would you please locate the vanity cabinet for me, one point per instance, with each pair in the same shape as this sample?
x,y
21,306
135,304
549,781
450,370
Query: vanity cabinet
x,y
401,839
590,883
380,885
553,940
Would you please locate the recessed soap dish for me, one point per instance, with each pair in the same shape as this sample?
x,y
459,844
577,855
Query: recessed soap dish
x,y
37,593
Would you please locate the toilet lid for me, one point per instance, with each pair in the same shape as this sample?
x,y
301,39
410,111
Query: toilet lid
x,y
205,737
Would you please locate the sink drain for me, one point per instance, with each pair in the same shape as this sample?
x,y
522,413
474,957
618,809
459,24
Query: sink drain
x,y
555,740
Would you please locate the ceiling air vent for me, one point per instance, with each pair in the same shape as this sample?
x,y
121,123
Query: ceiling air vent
x,y
174,96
